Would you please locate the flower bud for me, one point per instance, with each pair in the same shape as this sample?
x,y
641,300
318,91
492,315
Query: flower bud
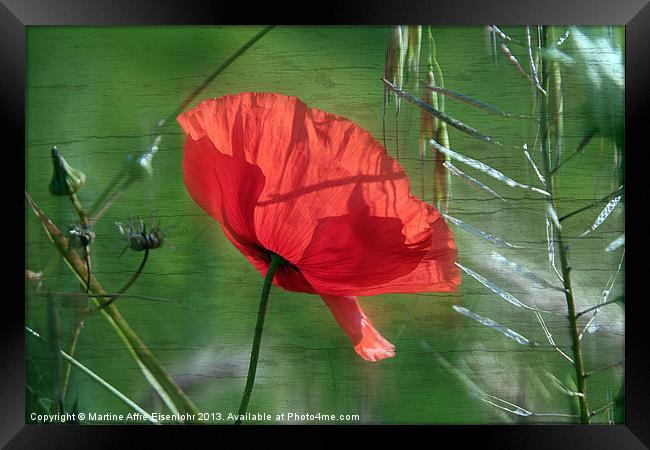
x,y
65,179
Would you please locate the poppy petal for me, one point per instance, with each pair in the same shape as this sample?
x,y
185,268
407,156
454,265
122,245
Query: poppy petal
x,y
333,203
436,271
368,343
383,260
213,181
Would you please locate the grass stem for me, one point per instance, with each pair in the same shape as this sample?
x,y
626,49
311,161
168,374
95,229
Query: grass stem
x,y
565,267
172,395
73,349
79,209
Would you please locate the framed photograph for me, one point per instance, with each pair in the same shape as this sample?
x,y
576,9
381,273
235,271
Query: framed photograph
x,y
367,223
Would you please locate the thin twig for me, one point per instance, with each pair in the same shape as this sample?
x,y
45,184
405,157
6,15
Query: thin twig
x,y
605,295
86,226
86,256
470,179
73,349
467,100
540,177
153,371
531,60
156,131
501,34
128,284
108,189
108,386
581,146
111,201
223,66
93,295
514,60
548,334
600,305
88,267
97,378
607,198
601,409
563,38
608,366
520,411
478,165
439,114
79,208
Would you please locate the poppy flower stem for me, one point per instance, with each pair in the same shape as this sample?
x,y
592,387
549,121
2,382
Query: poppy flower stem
x,y
276,261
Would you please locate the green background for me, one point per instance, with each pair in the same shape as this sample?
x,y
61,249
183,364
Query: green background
x,y
98,92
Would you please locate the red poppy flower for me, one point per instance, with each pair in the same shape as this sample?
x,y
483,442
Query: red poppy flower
x,y
319,191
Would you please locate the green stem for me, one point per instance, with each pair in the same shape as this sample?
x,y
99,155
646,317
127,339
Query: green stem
x,y
136,274
80,210
86,223
130,282
114,187
109,387
223,66
54,326
173,396
109,188
606,199
73,349
276,261
119,190
575,332
545,106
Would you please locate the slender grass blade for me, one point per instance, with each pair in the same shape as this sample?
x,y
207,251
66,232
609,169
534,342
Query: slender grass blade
x,y
480,233
493,287
540,177
482,167
109,387
558,384
616,243
507,332
604,214
516,267
439,114
467,100
552,213
470,180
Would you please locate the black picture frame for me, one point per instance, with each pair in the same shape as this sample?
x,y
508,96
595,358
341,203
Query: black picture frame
x,y
16,15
